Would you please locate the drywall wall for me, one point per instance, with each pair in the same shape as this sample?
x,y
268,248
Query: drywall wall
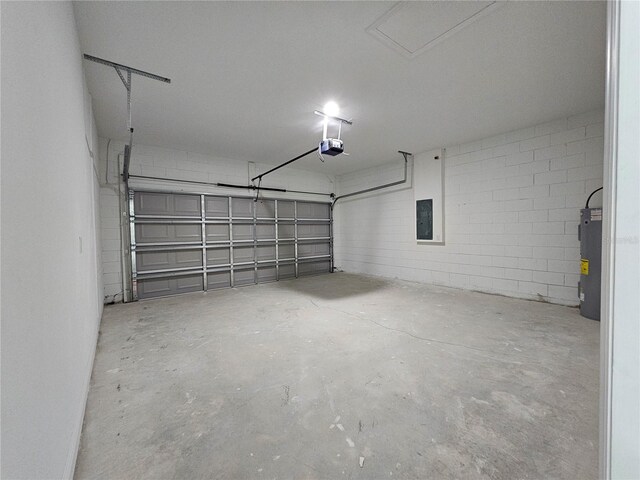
x,y
512,205
184,167
51,283
621,328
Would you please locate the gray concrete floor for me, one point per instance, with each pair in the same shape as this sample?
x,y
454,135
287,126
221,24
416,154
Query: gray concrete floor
x,y
342,376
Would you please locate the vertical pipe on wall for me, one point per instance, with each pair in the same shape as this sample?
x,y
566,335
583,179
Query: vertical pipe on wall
x,y
231,272
295,235
125,212
203,236
331,238
132,247
254,207
275,215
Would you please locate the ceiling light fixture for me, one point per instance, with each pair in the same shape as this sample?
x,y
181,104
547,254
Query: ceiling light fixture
x,y
331,109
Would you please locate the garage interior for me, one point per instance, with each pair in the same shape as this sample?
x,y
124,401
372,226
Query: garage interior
x,y
320,240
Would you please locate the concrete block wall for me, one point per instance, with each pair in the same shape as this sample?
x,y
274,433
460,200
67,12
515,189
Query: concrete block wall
x,y
110,220
512,205
182,166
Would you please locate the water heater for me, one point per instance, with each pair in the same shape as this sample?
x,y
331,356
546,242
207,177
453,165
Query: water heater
x,y
590,236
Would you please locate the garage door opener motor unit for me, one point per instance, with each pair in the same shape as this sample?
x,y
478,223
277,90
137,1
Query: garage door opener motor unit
x,y
331,146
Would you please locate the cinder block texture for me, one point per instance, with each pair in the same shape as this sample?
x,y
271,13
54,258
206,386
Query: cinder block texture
x,y
512,206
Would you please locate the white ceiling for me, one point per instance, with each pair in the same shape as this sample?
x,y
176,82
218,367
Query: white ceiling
x,y
246,77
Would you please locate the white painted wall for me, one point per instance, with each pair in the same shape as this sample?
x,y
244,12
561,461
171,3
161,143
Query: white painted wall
x,y
51,282
621,328
180,165
512,206
428,180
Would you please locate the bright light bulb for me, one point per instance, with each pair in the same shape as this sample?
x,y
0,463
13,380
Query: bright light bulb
x,y
331,109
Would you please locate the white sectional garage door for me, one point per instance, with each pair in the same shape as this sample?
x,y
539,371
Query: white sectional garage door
x,y
191,242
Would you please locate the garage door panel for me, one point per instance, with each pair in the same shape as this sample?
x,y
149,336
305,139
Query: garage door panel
x,y
242,207
313,210
266,252
252,246
314,230
186,205
286,251
267,274
243,254
189,283
153,203
286,209
154,287
286,271
158,233
217,233
157,287
242,232
146,233
188,258
168,259
265,231
166,204
216,206
244,277
153,260
218,280
286,230
314,268
187,233
313,249
217,257
266,209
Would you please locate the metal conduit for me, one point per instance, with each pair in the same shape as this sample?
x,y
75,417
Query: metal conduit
x,y
379,187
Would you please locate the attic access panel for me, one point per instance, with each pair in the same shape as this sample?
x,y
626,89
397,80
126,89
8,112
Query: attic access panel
x,y
411,28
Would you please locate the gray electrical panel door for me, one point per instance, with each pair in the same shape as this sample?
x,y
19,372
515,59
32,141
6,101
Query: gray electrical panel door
x,y
590,233
193,242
